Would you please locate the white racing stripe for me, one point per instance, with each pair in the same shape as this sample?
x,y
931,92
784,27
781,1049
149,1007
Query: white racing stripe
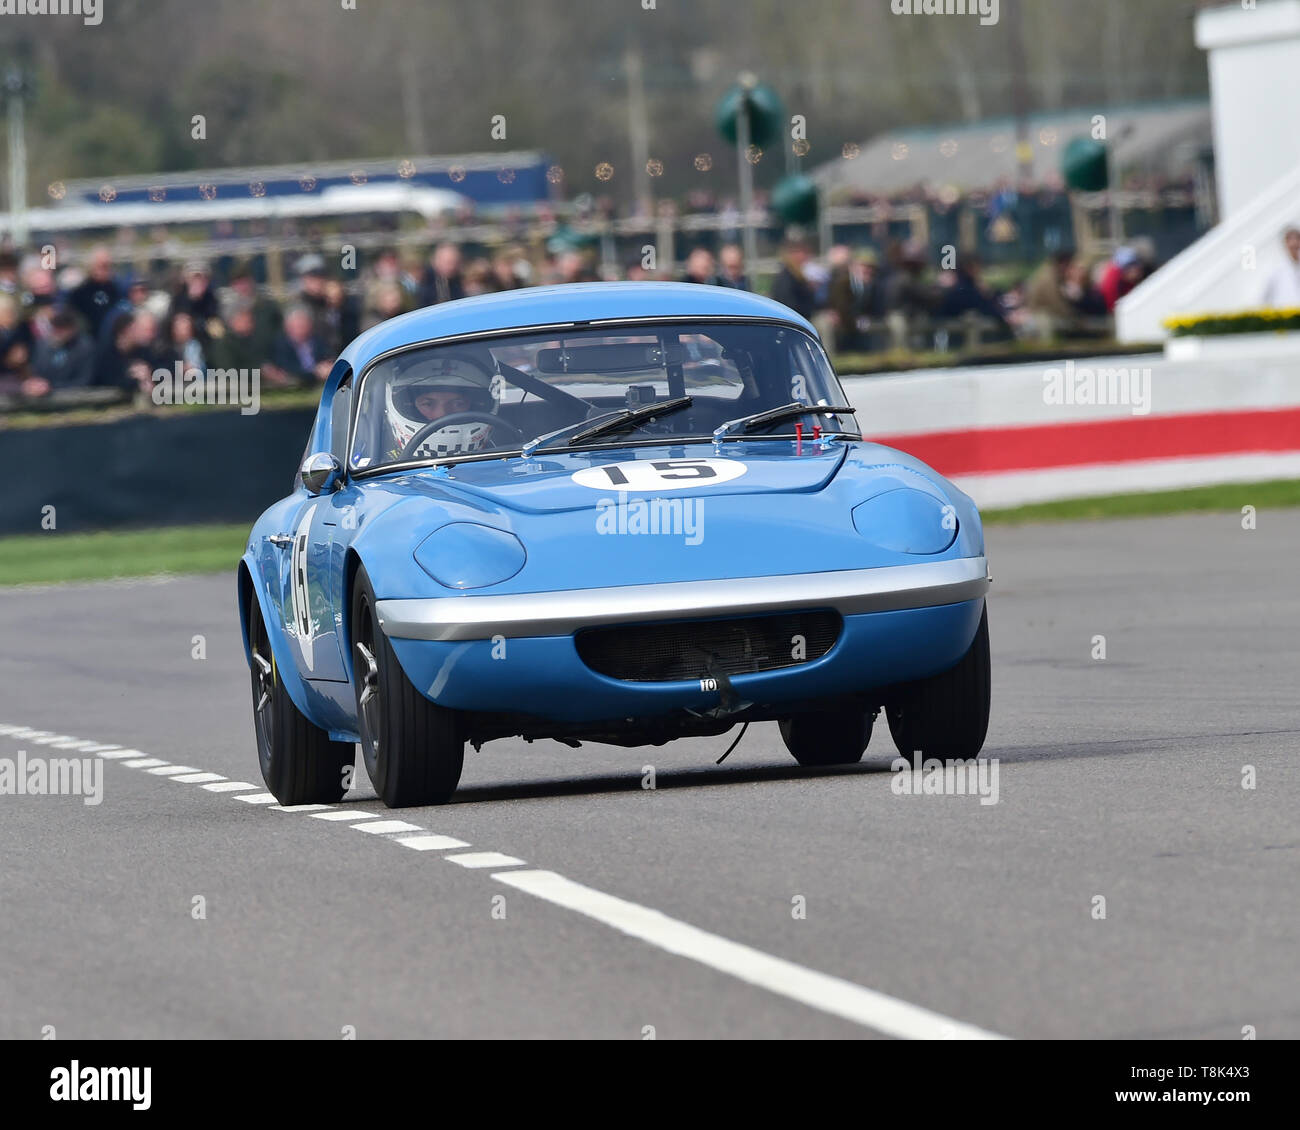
x,y
197,778
233,787
253,798
144,762
167,770
817,990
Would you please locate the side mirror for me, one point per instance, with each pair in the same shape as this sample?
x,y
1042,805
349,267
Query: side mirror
x,y
321,473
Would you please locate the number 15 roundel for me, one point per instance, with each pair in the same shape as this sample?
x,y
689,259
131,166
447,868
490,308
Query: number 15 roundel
x,y
659,474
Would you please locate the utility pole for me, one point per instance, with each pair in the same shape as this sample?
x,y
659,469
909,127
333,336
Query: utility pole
x,y
16,90
638,128
750,239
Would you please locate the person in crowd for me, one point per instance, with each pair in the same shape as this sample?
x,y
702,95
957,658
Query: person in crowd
x,y
268,320
1084,298
66,359
442,279
1122,274
183,341
1045,290
385,300
504,270
857,300
17,377
311,284
791,285
340,320
96,296
299,355
731,260
574,267
700,267
8,273
114,356
1282,290
238,346
196,298
479,278
967,293
906,291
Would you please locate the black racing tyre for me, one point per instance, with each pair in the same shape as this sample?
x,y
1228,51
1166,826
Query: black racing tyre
x,y
300,764
836,737
946,716
413,748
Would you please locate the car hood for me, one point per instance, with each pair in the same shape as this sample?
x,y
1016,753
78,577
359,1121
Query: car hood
x,y
685,512
547,483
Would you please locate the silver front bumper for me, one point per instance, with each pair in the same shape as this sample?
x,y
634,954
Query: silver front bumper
x,y
848,591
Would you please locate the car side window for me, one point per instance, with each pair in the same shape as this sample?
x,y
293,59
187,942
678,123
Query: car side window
x,y
340,418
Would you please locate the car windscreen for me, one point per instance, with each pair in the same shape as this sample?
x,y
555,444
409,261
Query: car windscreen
x,y
492,396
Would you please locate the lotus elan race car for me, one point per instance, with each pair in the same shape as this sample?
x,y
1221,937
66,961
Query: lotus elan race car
x,y
621,513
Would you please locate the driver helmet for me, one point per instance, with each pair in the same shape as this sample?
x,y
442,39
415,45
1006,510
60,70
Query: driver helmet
x,y
422,380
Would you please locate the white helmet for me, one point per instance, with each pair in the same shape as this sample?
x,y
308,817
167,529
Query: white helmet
x,y
437,374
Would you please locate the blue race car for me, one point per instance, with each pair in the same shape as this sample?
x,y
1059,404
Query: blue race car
x,y
621,513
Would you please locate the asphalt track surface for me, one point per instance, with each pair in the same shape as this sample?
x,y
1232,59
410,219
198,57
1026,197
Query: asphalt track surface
x,y
1119,778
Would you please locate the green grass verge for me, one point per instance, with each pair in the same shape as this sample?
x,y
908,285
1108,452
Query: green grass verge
x,y
1229,497
52,557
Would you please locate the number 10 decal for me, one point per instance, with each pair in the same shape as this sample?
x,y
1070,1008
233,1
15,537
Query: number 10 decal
x,y
659,474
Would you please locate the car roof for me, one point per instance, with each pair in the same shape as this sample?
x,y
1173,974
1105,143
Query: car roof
x,y
552,305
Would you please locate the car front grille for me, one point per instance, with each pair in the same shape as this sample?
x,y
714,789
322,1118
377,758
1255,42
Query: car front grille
x,y
660,653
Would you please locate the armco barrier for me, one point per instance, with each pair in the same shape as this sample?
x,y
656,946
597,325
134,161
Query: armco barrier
x,y
1014,435
997,432
205,466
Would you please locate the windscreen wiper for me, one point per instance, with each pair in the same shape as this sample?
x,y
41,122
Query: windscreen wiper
x,y
775,415
607,424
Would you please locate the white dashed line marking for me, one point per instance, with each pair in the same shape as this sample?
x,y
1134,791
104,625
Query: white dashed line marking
x,y
430,843
821,991
484,859
344,814
817,990
383,827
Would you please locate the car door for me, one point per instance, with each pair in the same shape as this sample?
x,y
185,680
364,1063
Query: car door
x,y
312,563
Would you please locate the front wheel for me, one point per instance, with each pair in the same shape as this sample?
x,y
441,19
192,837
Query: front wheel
x,y
946,716
836,737
300,764
412,747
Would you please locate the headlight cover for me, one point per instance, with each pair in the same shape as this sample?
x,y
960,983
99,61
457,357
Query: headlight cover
x,y
907,521
465,555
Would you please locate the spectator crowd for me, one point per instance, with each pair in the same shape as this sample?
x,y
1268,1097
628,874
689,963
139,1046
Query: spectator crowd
x,y
91,326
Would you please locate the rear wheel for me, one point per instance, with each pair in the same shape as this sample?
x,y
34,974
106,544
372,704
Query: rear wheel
x,y
300,764
946,716
412,747
836,737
